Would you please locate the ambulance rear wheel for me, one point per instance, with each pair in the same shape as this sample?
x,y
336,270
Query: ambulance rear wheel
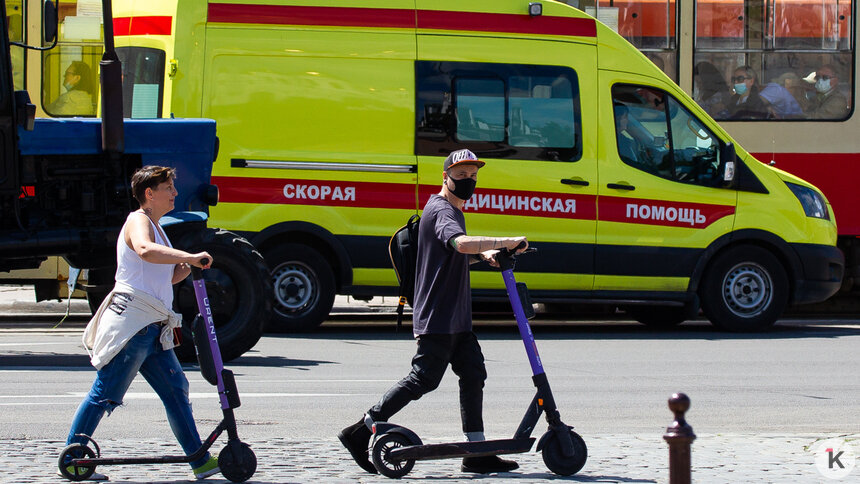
x,y
304,287
745,289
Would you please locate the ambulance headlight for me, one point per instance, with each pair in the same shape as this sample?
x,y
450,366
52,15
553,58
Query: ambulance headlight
x,y
535,9
812,202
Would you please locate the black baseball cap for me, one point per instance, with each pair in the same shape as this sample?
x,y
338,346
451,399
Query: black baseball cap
x,y
462,157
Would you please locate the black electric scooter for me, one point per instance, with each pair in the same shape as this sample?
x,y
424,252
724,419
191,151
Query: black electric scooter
x,y
237,461
394,449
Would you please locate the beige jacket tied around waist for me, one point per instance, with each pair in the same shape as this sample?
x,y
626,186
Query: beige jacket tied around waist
x,y
123,313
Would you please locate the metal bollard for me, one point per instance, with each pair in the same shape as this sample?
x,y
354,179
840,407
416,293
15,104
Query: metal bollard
x,y
679,436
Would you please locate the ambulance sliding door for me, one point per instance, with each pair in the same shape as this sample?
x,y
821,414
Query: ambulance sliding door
x,y
517,104
660,200
315,124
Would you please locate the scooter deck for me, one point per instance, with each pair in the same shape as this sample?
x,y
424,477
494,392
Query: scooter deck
x,y
461,449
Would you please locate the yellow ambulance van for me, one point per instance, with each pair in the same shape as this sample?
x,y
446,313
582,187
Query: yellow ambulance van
x,y
334,118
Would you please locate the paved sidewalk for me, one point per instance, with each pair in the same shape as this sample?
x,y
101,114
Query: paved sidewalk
x,y
612,459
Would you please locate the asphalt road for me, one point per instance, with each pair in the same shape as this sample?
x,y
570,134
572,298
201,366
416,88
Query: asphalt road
x,y
607,378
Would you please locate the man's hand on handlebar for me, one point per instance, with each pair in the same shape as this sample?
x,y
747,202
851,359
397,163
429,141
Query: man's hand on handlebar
x,y
518,245
489,256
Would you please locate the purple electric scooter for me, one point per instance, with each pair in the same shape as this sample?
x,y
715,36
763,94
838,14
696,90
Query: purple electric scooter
x,y
394,449
237,461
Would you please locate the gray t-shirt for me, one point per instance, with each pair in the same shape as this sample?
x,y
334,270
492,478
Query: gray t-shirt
x,y
443,297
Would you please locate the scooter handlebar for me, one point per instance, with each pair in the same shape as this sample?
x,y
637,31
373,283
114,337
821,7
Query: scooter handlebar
x,y
506,257
196,272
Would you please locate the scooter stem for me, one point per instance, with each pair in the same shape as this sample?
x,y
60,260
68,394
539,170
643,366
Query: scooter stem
x,y
522,322
206,311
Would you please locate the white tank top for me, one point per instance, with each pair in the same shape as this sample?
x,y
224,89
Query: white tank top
x,y
154,279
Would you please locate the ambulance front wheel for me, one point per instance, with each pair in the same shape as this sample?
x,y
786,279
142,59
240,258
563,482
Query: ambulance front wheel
x,y
745,289
304,287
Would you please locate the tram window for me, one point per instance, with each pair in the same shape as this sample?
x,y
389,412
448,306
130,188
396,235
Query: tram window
x,y
774,59
656,134
647,24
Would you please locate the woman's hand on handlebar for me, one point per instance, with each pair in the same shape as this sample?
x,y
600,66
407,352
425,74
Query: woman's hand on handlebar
x,y
197,260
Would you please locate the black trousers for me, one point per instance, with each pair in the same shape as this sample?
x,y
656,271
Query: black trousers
x,y
435,352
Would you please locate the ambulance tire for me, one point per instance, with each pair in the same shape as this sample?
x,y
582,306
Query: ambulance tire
x,y
237,287
744,290
304,288
658,317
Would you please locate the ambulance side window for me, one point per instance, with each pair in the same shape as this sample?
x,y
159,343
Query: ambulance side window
x,y
657,134
480,109
525,112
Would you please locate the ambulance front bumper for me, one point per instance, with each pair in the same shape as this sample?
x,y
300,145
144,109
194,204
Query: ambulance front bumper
x,y
822,269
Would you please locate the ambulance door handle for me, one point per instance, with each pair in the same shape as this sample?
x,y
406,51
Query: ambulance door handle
x,y
619,186
571,181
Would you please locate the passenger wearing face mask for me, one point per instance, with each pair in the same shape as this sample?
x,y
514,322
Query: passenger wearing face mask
x,y
828,103
746,103
442,316
78,98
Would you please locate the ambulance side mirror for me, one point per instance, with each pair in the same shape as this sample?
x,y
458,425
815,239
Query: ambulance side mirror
x,y
727,162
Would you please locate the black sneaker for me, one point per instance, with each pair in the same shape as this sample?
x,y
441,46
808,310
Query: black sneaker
x,y
487,464
356,438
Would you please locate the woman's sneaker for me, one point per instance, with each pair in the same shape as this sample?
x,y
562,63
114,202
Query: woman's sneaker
x,y
208,469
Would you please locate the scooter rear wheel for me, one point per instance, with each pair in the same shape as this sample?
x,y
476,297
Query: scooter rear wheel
x,y
76,473
557,462
385,444
237,462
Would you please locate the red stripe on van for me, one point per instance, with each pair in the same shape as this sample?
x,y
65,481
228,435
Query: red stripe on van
x,y
151,25
334,193
506,22
524,203
661,212
293,15
330,193
400,18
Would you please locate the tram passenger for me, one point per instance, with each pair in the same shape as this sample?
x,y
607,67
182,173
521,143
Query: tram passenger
x,y
746,103
828,103
710,90
782,103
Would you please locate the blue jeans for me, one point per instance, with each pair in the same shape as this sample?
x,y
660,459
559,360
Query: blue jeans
x,y
162,371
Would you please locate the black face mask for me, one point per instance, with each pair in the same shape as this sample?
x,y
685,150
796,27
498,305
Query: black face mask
x,y
464,188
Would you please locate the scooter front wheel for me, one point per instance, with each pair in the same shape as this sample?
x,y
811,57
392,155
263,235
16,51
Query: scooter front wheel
x,y
237,461
76,473
556,461
381,448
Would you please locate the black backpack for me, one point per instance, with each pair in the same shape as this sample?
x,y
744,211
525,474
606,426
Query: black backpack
x,y
403,250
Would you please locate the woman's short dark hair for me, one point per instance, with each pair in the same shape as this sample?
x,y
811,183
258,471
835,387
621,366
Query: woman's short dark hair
x,y
149,176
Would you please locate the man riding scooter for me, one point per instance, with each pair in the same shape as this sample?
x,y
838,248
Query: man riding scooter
x,y
442,316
